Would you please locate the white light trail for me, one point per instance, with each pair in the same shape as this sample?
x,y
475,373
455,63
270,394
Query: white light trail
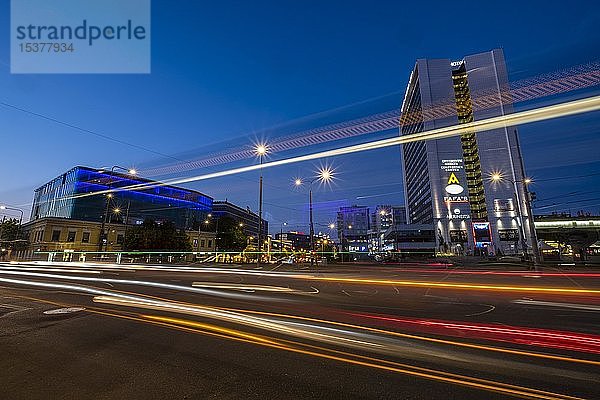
x,y
519,118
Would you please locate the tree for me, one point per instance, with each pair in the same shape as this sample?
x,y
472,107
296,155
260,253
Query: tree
x,y
154,236
11,235
231,236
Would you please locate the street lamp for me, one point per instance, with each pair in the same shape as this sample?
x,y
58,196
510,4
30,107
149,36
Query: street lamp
x,y
325,175
209,217
498,177
5,207
103,235
382,213
281,236
261,151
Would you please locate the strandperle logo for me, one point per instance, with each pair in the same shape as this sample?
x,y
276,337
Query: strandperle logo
x,y
84,31
75,36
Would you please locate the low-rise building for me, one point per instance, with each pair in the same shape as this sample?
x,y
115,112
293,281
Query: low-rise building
x,y
63,234
245,216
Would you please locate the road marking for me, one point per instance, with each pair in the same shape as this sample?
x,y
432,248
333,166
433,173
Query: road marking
x,y
586,307
65,310
490,309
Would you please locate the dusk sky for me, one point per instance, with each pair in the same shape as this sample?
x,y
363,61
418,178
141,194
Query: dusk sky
x,y
225,73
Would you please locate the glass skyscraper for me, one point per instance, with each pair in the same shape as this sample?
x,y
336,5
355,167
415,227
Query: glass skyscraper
x,y
448,182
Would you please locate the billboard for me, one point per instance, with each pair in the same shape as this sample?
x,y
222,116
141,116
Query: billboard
x,y
482,234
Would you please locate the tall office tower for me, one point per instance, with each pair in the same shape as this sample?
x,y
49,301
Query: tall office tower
x,y
470,187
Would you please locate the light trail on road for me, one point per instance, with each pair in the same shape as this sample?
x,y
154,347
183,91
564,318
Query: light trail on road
x,y
463,380
310,277
353,337
462,286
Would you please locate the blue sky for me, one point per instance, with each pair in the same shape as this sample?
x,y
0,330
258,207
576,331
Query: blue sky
x,y
223,72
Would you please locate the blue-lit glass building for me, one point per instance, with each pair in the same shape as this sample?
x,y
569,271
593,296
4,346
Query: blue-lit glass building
x,y
71,195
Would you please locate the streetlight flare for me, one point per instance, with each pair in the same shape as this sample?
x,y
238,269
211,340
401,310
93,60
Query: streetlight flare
x,y
496,176
117,210
132,171
325,174
261,149
528,181
298,182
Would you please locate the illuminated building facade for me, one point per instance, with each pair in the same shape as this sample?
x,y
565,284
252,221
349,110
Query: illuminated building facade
x,y
72,196
383,218
353,225
448,182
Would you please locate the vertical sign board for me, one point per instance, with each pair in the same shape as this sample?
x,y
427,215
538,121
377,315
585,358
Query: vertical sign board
x,y
455,198
482,234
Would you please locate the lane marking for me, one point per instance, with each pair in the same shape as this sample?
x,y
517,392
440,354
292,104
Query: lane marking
x,y
585,307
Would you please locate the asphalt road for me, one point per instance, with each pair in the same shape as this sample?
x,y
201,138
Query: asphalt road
x,y
281,332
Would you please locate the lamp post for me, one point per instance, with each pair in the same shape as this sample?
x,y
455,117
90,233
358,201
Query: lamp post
x,y
261,151
497,177
325,175
109,195
382,213
281,237
207,222
331,227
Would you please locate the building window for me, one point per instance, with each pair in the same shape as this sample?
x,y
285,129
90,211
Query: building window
x,y
210,243
85,238
56,235
195,243
71,236
202,243
120,238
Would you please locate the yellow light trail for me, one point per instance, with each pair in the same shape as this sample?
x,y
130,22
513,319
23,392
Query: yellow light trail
x,y
520,118
165,307
463,286
231,334
424,338
462,380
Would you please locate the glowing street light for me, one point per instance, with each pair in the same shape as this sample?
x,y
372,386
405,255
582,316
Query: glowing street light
x,y
324,175
498,177
261,150
109,196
